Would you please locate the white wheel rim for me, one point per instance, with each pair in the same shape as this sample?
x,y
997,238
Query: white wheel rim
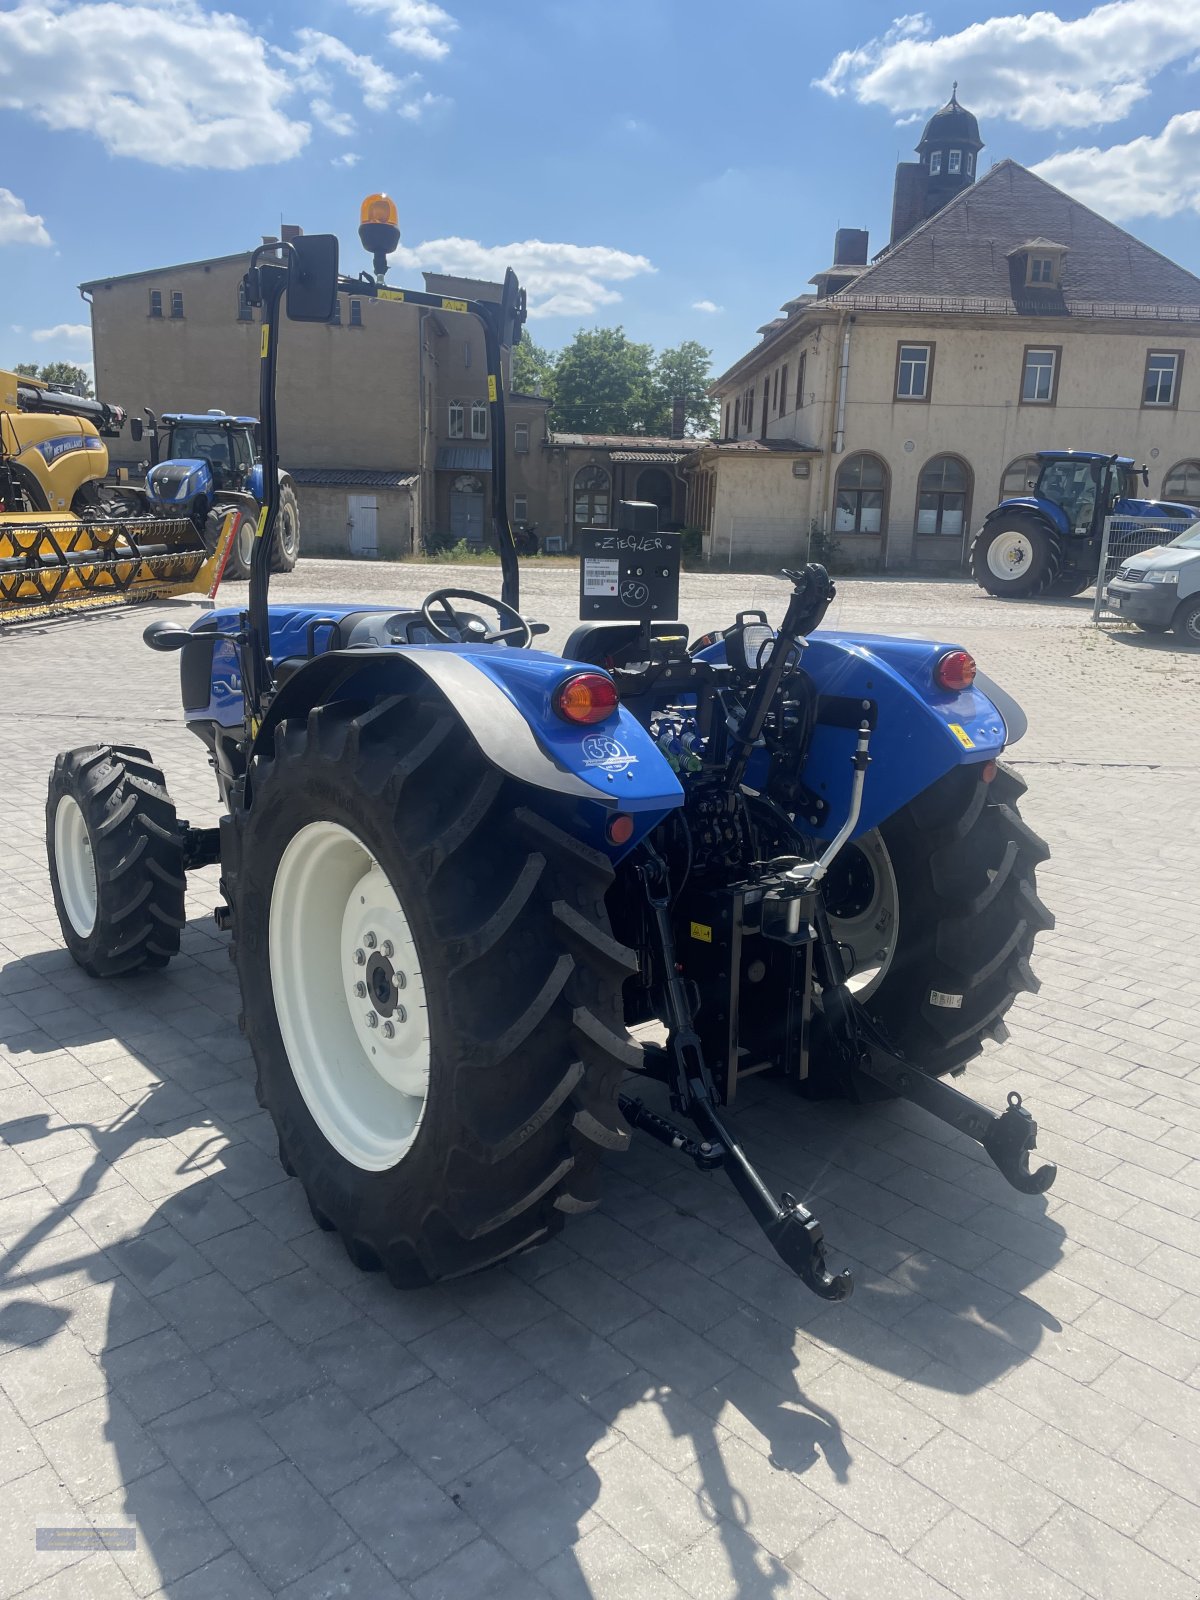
x,y
337,924
76,868
245,539
869,931
1010,554
287,532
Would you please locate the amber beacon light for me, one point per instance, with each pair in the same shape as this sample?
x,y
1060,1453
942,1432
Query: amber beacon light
x,y
379,229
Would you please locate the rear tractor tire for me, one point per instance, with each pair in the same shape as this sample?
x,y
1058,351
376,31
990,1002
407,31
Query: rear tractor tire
x,y
430,987
941,911
116,859
1015,557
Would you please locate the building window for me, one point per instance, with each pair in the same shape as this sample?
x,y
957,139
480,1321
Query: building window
x,y
1183,483
775,402
914,371
935,163
1161,387
520,508
479,419
727,415
942,497
245,309
176,302
1041,269
466,353
783,400
762,432
970,164
861,488
954,163
1039,381
800,379
591,498
521,438
356,313
156,302
455,422
1019,477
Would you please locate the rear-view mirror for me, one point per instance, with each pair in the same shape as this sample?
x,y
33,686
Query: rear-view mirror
x,y
312,277
135,429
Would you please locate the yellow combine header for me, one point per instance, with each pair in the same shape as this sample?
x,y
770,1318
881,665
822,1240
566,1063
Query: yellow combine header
x,y
70,541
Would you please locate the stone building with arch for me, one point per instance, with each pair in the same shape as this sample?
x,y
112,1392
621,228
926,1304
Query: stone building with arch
x,y
897,402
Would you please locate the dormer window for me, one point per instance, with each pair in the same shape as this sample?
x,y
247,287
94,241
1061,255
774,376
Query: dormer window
x,y
1037,264
935,163
954,164
1041,269
970,164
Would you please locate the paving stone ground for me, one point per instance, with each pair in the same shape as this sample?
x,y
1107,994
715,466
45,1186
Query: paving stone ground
x,y
648,1406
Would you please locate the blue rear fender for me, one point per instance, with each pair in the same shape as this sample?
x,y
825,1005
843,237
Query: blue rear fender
x,y
922,731
1031,505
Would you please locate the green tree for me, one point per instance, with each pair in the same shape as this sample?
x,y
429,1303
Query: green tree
x,y
684,370
532,368
603,383
26,369
67,374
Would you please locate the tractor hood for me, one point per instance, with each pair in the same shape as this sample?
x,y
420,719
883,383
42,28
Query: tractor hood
x,y
178,482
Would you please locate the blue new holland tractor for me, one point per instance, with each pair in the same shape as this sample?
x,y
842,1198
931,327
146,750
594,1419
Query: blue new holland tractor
x,y
1048,542
207,462
458,870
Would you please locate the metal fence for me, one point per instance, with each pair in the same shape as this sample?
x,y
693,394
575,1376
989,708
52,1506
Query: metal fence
x,y
1124,537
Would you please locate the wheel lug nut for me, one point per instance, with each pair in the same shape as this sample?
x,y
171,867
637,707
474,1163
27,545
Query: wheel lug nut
x,y
401,1014
399,980
388,948
360,957
372,1020
370,941
360,990
388,1031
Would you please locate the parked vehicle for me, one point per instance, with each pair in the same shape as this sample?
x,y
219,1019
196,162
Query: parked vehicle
x,y
1049,540
457,869
1159,589
208,461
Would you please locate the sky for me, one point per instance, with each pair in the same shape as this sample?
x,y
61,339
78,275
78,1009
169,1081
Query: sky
x,y
674,166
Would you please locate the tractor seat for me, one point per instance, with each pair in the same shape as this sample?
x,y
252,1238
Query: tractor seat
x,y
602,643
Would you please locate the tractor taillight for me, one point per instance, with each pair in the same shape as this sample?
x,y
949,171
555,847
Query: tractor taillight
x,y
586,697
620,828
955,671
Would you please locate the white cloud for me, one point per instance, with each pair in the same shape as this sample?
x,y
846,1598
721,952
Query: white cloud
x,y
349,158
63,333
1157,175
18,226
415,26
708,306
561,280
340,123
1038,68
166,83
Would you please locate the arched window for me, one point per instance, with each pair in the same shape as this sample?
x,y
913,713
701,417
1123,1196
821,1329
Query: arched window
x,y
591,498
1183,483
1018,475
861,491
942,497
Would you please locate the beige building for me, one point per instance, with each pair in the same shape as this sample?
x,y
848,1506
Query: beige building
x,y
896,404
383,413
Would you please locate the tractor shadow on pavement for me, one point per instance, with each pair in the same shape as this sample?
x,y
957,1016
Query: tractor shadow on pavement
x,y
652,1396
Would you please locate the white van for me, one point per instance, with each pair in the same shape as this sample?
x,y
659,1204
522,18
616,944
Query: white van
x,y
1160,588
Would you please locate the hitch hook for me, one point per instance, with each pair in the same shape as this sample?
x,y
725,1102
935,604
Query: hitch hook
x,y
1009,1140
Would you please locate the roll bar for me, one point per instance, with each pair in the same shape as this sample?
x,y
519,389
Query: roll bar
x,y
307,280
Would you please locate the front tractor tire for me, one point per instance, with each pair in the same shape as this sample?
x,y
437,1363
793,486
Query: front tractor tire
x,y
430,988
940,907
115,852
1016,557
286,551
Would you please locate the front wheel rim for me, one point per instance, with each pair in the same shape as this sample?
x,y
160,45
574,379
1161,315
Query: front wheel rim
x,y
245,541
76,866
349,996
288,533
863,903
1010,555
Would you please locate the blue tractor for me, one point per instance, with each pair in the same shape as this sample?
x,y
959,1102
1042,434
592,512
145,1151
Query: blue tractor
x,y
201,464
1049,540
478,892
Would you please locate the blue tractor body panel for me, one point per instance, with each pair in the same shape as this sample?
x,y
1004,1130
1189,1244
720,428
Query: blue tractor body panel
x,y
1030,503
922,731
180,483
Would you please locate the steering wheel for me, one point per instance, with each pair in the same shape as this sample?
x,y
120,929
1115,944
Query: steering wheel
x,y
473,631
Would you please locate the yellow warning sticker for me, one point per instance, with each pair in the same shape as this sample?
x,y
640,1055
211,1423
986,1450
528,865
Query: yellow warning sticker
x,y
390,294
702,931
963,737
262,523
454,305
491,386
266,342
